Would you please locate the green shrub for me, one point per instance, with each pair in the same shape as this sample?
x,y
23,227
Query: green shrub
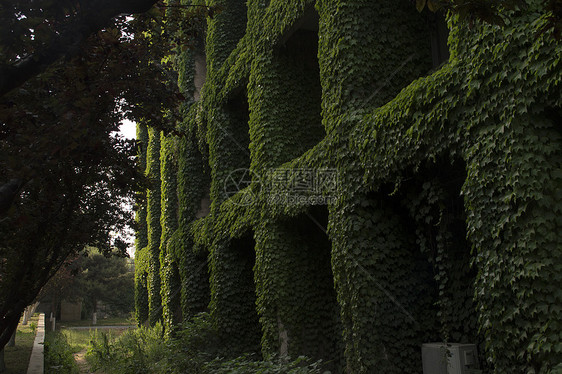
x,y
195,349
249,365
131,353
33,327
58,355
145,350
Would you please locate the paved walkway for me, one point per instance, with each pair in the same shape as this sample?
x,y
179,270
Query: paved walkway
x,y
36,361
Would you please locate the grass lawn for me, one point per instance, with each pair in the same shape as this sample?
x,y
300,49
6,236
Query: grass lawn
x,y
114,321
17,358
80,339
63,345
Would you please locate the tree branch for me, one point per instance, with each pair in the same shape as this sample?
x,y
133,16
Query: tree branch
x,y
8,193
95,15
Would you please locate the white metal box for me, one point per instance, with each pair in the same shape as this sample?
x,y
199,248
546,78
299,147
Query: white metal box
x,y
450,358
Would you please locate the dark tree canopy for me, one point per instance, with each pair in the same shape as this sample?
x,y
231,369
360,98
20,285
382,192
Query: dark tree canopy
x,y
35,34
70,72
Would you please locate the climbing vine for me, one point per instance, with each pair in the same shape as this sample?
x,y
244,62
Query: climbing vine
x,y
445,223
169,273
153,226
141,234
193,184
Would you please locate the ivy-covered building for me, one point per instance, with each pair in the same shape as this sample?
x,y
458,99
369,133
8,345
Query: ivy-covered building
x,y
349,186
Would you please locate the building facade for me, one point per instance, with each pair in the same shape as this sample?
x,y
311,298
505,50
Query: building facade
x,y
349,187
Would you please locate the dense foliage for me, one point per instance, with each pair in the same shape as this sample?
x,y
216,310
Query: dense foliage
x,y
141,234
70,72
164,257
35,34
108,281
445,223
194,349
93,279
59,356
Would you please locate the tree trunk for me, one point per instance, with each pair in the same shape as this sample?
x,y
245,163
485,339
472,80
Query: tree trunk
x,y
25,316
12,342
8,325
2,364
52,320
95,313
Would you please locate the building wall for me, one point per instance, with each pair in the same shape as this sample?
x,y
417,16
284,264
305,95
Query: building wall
x,y
382,203
70,311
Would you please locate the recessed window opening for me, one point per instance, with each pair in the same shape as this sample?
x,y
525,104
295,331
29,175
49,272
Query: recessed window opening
x,y
315,325
238,131
244,258
204,204
439,33
200,67
447,232
308,23
299,87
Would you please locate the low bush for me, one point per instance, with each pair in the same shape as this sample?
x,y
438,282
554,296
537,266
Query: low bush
x,y
58,355
194,349
250,365
135,352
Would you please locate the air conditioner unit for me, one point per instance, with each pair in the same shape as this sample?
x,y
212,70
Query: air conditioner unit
x,y
450,358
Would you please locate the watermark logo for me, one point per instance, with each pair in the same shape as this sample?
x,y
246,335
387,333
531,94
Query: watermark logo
x,y
302,186
239,181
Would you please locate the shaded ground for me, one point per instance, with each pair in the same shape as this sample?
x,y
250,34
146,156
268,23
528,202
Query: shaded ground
x,y
81,361
17,358
83,365
80,336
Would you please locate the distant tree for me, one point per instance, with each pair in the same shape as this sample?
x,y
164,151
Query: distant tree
x,y
108,280
61,286
93,278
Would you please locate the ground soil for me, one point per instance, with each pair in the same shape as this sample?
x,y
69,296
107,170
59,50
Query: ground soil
x,y
81,361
